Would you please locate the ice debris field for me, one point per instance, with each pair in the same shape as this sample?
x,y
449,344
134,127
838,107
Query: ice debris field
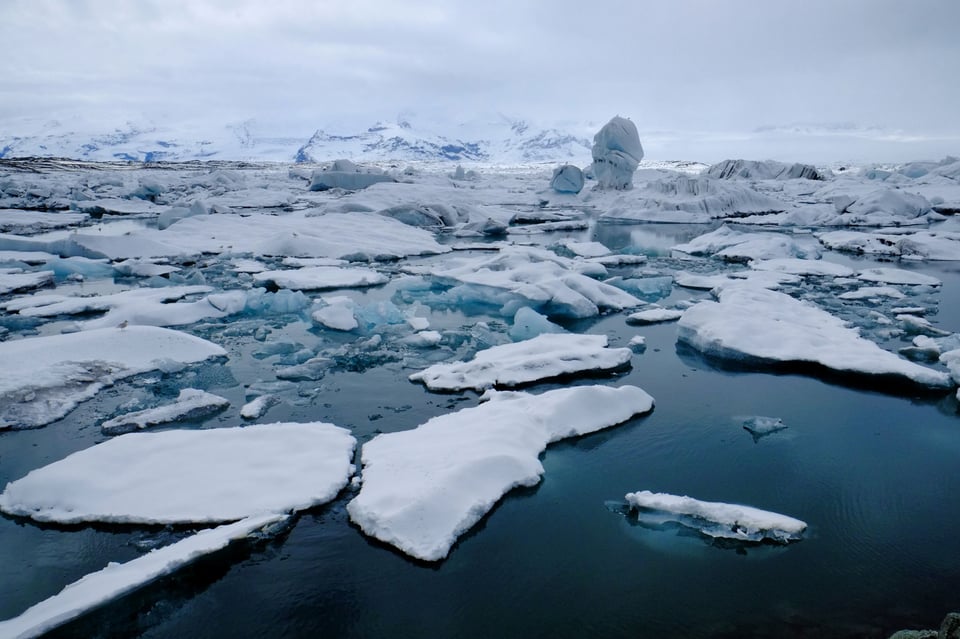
x,y
148,280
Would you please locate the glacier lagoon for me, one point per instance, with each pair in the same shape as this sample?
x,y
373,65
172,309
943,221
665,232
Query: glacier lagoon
x,y
868,463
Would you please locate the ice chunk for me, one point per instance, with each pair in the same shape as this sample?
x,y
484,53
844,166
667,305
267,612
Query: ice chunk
x,y
567,179
256,408
870,292
897,276
13,280
344,174
737,246
585,249
337,313
654,316
191,404
317,278
509,365
763,170
17,221
425,487
616,154
117,580
895,203
796,266
527,324
760,426
539,278
716,519
56,372
767,326
186,476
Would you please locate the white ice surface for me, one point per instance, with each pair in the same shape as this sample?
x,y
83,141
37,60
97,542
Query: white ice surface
x,y
17,280
117,580
654,316
316,278
425,487
189,476
542,357
718,519
897,276
190,404
56,372
738,246
758,324
796,266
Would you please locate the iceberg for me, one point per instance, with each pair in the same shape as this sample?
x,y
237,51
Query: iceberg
x,y
543,357
756,324
191,404
567,179
718,520
763,170
616,154
736,246
189,476
117,580
423,488
344,174
54,373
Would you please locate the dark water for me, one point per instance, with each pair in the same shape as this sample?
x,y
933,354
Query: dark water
x,y
876,476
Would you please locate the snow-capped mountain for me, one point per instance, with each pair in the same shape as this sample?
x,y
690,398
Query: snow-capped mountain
x,y
498,139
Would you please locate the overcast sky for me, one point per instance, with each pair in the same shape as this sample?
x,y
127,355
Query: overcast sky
x,y
705,66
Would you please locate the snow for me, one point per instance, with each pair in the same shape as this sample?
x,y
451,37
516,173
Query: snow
x,y
117,580
189,476
423,488
508,365
616,154
316,278
716,519
54,373
191,404
751,323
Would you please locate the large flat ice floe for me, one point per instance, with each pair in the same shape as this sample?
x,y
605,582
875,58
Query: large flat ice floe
x,y
56,372
117,580
750,323
543,357
425,487
717,519
189,476
318,278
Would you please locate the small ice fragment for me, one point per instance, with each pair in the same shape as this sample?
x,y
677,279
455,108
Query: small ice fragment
x,y
191,404
654,316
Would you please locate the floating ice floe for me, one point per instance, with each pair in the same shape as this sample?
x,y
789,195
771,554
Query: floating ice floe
x,y
543,357
538,278
717,519
797,266
317,278
423,488
872,292
918,245
140,306
761,279
760,426
17,221
756,324
897,276
654,316
117,580
336,313
737,246
55,373
189,476
256,408
13,280
191,404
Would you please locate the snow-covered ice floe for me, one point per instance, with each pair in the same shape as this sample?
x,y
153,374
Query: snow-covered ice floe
x,y
56,372
717,519
755,324
545,356
117,580
318,278
14,279
425,487
189,476
191,403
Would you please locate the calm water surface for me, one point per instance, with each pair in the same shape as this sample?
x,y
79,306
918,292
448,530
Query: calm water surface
x,y
875,475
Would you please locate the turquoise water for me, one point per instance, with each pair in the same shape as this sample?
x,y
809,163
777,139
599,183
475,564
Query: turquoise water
x,y
874,474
